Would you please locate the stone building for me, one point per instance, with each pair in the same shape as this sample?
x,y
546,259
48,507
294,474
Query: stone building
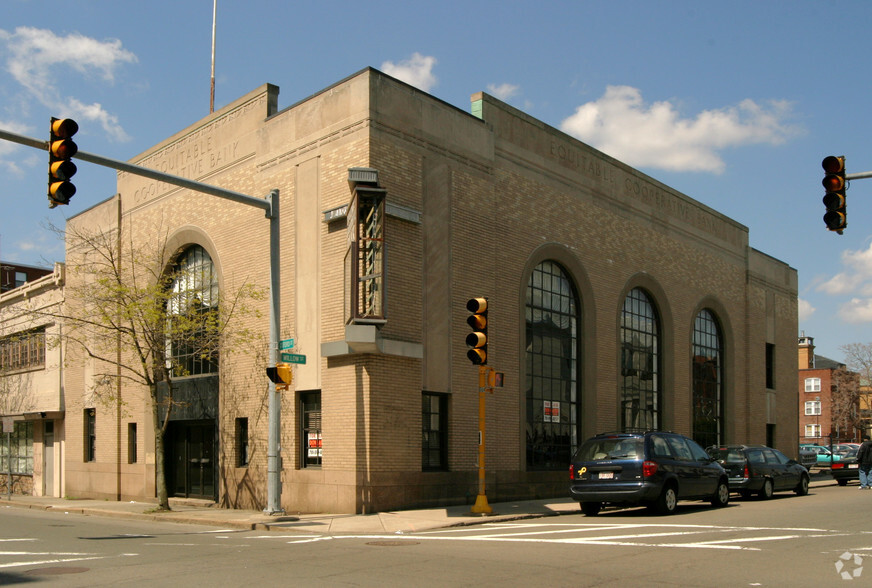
x,y
614,303
31,386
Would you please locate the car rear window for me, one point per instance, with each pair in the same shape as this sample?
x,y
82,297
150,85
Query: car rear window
x,y
610,448
726,454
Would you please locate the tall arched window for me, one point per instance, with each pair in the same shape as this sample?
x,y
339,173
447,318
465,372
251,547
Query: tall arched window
x,y
640,363
192,315
708,356
552,317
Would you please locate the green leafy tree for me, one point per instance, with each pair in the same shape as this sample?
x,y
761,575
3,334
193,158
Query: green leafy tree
x,y
143,318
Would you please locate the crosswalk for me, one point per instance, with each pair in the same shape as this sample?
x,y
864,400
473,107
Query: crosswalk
x,y
654,535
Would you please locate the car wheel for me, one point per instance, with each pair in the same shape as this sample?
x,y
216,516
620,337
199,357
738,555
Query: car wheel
x,y
591,509
766,491
668,500
802,488
842,482
722,495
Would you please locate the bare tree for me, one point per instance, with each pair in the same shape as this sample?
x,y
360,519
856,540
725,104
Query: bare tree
x,y
844,404
858,358
130,309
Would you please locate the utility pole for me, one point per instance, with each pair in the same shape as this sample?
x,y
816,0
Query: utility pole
x,y
270,205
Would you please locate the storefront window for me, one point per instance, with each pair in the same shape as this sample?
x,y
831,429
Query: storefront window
x,y
310,404
16,449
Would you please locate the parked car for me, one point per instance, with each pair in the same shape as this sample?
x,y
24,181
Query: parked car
x,y
843,449
824,456
655,469
760,470
846,469
807,456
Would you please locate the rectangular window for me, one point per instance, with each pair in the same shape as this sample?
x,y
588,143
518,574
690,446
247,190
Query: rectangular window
x,y
242,442
20,279
434,431
812,384
90,434
770,366
812,430
23,351
16,452
310,421
131,443
812,407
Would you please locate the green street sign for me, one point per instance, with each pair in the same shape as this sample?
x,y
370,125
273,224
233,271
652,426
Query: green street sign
x,y
293,358
286,344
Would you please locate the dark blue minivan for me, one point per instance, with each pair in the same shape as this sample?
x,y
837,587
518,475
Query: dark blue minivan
x,y
655,469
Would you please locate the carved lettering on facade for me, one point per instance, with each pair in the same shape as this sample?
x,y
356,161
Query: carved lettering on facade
x,y
197,154
671,205
660,200
589,166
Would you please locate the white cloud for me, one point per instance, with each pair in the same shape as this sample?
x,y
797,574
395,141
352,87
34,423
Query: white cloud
x,y
621,124
416,71
857,276
34,56
857,310
841,283
805,309
855,279
504,91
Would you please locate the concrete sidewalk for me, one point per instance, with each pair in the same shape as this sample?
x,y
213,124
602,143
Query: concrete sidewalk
x,y
402,521
206,513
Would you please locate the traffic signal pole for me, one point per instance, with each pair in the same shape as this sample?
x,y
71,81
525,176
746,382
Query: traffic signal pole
x,y
481,505
270,205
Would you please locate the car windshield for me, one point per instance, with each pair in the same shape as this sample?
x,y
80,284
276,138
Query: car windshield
x,y
605,448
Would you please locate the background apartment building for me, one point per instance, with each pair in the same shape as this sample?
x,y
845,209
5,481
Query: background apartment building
x,y
830,400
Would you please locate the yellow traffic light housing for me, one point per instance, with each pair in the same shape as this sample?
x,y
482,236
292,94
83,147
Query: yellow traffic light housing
x,y
281,375
61,149
836,217
477,339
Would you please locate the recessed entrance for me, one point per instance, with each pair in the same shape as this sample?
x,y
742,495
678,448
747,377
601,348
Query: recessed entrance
x,y
190,449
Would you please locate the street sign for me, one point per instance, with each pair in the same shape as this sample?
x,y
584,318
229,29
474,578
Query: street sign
x,y
286,344
293,358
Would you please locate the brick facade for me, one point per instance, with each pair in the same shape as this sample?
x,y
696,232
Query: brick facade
x,y
479,200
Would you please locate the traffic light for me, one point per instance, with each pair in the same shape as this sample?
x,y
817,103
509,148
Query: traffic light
x,y
477,339
836,217
61,149
281,375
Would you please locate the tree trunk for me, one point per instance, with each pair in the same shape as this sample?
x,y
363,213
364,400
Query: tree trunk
x,y
160,479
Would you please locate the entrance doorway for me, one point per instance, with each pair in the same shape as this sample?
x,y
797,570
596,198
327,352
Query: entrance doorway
x,y
48,459
190,447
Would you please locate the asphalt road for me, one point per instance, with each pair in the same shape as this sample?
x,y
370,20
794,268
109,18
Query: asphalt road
x,y
790,540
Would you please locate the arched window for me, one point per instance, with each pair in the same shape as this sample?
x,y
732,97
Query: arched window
x,y
708,353
192,315
640,363
552,317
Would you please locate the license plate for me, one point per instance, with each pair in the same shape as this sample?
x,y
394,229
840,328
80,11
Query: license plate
x,y
853,466
607,475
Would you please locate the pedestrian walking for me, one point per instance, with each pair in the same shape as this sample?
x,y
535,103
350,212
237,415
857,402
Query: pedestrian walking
x,y
864,460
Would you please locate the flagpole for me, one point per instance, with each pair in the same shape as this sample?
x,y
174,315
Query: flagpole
x,y
212,89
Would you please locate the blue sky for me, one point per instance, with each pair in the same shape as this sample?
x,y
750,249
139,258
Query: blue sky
x,y
733,103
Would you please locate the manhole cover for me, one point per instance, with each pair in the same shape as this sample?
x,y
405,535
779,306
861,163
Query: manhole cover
x,y
54,571
392,543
